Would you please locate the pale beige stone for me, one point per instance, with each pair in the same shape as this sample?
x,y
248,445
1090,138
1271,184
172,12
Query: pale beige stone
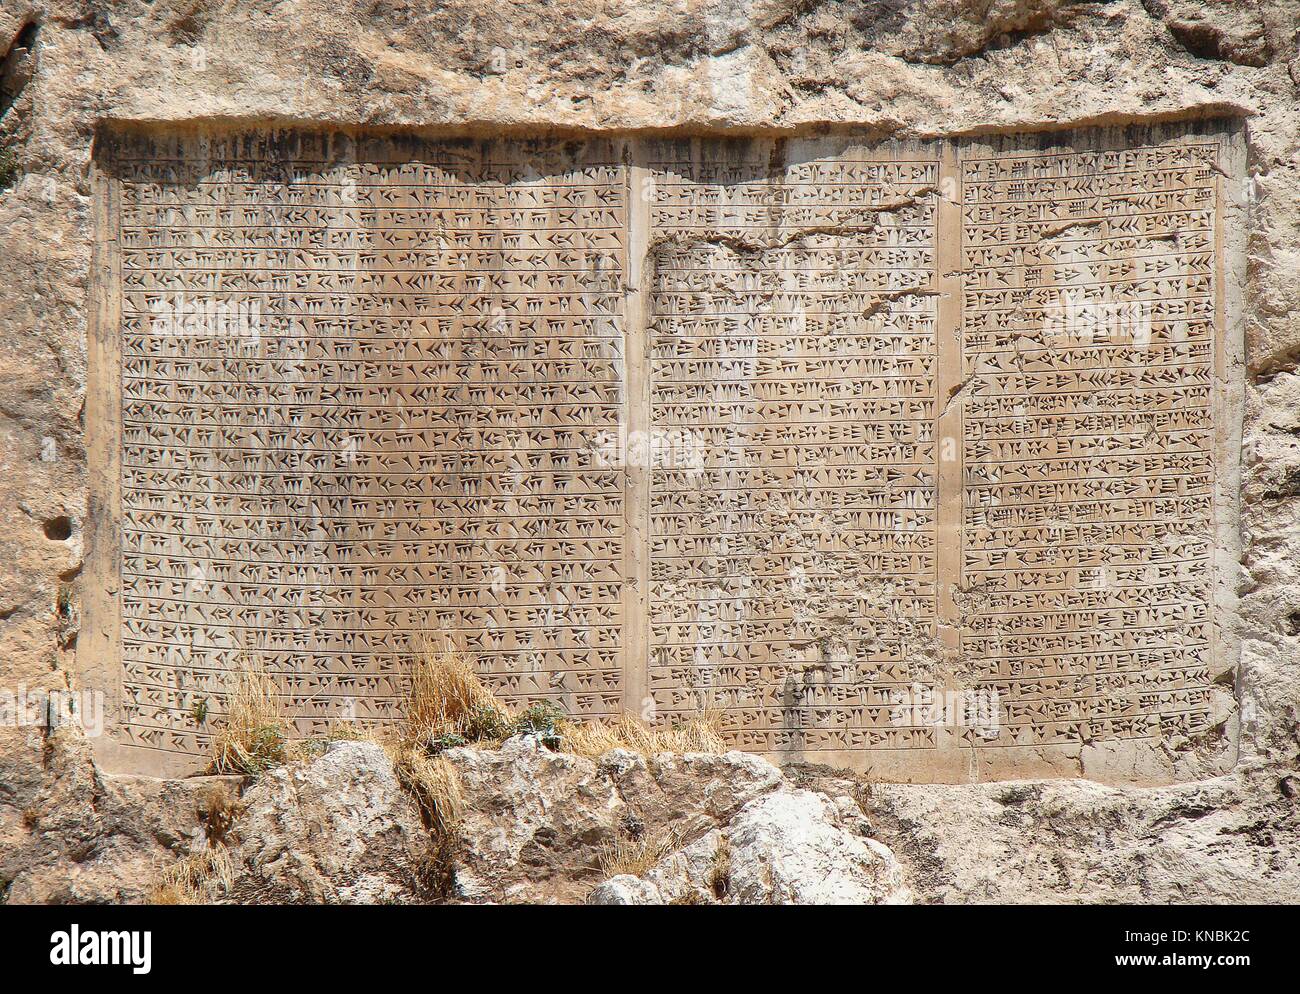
x,y
936,69
335,830
912,456
536,823
788,847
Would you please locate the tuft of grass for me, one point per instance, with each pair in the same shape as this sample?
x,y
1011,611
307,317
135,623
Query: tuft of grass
x,y
435,868
448,705
638,855
697,733
448,702
253,737
218,810
435,785
199,879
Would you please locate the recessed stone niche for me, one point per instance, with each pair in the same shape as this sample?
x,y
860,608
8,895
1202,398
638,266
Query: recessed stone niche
x,y
915,457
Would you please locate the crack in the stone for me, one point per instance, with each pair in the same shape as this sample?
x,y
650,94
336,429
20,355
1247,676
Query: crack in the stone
x,y
742,245
885,299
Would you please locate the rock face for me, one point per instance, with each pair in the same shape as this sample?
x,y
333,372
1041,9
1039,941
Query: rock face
x,y
1227,840
777,67
93,839
337,830
536,822
789,847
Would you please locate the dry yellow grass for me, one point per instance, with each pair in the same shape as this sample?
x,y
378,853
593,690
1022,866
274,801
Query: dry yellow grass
x,y
447,704
253,735
434,784
638,856
219,810
448,701
697,733
198,879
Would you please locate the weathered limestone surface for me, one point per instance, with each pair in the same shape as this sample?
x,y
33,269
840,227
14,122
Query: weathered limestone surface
x,y
1230,839
907,71
337,830
536,821
87,838
344,390
790,847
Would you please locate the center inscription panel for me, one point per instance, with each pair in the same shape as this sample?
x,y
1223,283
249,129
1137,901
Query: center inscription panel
x,y
907,456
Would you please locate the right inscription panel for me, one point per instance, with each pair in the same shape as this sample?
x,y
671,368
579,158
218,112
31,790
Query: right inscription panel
x,y
1092,374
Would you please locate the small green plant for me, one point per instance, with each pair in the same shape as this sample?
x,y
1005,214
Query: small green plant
x,y
200,711
542,720
487,721
8,166
442,743
267,749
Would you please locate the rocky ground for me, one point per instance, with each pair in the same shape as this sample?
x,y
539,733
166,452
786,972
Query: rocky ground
x,y
540,826
536,826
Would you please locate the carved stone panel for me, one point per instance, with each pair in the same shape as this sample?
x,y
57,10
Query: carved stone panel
x,y
912,456
1090,303
792,335
361,386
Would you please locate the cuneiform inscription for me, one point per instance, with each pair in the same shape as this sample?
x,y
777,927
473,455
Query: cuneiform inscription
x,y
807,433
359,390
792,336
1088,340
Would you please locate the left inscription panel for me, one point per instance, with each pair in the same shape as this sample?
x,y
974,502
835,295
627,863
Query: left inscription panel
x,y
359,391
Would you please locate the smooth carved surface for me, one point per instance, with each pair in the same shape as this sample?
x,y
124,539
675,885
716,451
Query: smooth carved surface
x,y
809,433
1088,340
792,337
357,402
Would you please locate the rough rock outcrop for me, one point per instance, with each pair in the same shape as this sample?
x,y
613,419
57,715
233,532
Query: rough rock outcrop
x,y
536,822
1227,840
789,847
336,830
88,838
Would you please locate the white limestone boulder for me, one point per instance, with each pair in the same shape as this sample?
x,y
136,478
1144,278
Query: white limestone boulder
x,y
336,830
788,847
